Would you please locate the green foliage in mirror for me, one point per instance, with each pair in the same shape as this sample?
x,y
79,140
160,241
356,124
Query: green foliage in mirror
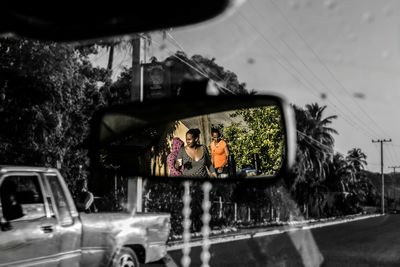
x,y
258,140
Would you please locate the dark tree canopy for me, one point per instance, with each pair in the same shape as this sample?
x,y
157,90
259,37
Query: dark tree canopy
x,y
48,94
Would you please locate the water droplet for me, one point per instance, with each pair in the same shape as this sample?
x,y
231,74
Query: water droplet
x,y
207,186
206,217
294,4
250,60
308,3
186,236
359,95
205,256
330,4
368,17
206,205
185,261
387,11
385,54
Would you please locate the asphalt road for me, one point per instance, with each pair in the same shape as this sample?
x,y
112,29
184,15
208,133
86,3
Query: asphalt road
x,y
368,242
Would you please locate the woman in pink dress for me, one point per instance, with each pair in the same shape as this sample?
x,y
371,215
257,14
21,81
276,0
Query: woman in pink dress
x,y
177,143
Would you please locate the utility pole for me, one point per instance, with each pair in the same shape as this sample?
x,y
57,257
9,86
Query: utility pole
x,y
383,177
394,187
136,77
135,184
394,168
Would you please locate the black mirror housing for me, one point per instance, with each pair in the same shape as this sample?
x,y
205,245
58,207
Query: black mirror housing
x,y
121,136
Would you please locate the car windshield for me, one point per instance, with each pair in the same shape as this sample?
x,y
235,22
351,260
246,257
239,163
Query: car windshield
x,y
337,64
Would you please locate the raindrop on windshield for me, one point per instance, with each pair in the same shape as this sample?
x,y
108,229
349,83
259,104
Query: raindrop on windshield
x,y
330,4
308,3
385,54
359,95
368,17
250,60
294,4
387,11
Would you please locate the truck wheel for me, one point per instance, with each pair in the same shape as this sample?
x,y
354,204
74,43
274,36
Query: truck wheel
x,y
126,257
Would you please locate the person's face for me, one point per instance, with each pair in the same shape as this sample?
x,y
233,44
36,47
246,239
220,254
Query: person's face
x,y
215,137
190,140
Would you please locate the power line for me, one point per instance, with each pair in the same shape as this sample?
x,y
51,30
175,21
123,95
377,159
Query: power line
x,y
391,154
394,152
99,56
120,64
323,145
394,168
181,47
178,45
352,123
316,77
194,68
388,156
324,65
322,83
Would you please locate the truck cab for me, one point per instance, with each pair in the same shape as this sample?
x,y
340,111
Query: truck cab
x,y
40,226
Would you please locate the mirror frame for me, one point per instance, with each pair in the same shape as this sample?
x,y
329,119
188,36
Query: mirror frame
x,y
48,21
148,113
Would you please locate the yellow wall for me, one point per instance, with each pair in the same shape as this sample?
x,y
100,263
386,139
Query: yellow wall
x,y
161,166
180,132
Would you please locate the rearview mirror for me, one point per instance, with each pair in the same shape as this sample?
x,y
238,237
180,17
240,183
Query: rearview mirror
x,y
49,22
250,136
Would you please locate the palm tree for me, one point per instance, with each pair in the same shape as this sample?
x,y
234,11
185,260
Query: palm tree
x,y
315,140
357,159
338,184
359,186
340,173
119,44
110,45
320,130
315,151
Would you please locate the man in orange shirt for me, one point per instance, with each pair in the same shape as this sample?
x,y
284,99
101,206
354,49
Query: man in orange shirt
x,y
219,153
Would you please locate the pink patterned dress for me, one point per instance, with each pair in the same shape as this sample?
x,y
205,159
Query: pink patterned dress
x,y
177,143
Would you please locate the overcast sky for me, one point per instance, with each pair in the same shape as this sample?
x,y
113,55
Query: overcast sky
x,y
343,54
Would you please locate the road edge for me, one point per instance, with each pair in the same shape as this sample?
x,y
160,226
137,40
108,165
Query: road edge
x,y
291,226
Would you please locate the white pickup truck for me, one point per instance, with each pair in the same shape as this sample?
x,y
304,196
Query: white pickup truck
x,y
40,226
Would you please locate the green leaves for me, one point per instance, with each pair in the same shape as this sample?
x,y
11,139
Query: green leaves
x,y
260,134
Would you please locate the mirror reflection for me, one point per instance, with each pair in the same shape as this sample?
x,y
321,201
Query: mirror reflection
x,y
236,143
